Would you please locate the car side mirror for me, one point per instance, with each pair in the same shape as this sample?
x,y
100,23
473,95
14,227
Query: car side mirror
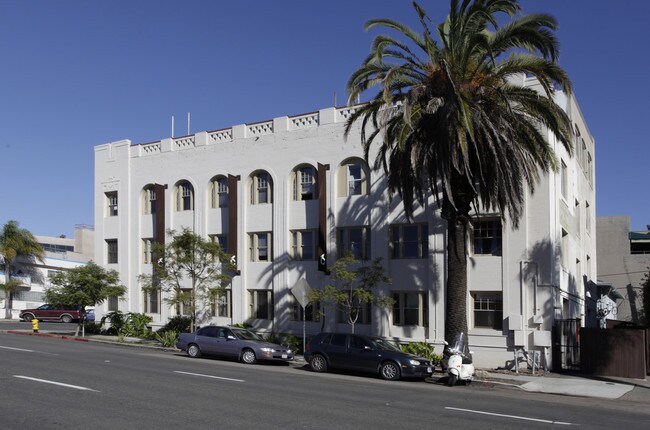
x,y
367,348
231,337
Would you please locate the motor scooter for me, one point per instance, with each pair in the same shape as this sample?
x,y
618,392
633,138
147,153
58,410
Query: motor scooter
x,y
459,363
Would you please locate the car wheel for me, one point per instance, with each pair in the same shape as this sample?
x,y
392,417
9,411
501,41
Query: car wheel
x,y
451,381
193,350
318,363
248,356
390,371
66,319
28,317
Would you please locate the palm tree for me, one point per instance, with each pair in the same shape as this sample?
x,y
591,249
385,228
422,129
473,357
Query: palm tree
x,y
450,117
16,242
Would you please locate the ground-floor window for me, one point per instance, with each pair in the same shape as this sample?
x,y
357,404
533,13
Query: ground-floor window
x,y
184,306
261,304
360,314
221,305
152,302
311,312
488,310
410,308
112,304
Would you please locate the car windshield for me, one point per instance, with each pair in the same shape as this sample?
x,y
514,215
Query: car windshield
x,y
246,335
380,343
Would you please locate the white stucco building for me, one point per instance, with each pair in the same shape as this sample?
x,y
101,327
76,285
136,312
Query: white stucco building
x,y
61,254
268,191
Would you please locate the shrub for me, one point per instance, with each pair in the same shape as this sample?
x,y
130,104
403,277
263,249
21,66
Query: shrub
x,y
178,324
166,338
92,328
424,350
289,340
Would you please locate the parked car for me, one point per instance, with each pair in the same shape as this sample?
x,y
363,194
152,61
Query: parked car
x,y
90,315
231,342
370,354
49,312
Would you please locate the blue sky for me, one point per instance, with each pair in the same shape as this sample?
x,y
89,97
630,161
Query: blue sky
x,y
77,73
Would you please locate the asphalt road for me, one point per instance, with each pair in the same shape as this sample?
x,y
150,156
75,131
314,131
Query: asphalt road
x,y
50,383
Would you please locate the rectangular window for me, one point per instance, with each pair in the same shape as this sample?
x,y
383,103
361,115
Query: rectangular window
x,y
262,182
587,217
410,308
261,304
305,184
311,312
303,245
221,239
564,180
111,245
152,302
260,246
112,304
355,178
147,251
220,193
361,312
186,198
221,306
354,240
409,241
111,200
486,237
488,310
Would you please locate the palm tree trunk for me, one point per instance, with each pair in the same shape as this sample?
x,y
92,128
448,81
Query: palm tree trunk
x,y
456,303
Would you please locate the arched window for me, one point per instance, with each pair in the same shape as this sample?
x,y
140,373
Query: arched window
x,y
219,192
353,178
261,188
305,183
149,200
184,196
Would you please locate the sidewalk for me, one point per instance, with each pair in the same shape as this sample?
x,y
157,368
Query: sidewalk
x,y
604,387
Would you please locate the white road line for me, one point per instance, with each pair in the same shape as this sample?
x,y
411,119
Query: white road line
x,y
16,349
208,376
510,416
76,387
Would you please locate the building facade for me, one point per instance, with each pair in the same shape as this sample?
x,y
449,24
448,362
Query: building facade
x,y
623,261
61,253
279,194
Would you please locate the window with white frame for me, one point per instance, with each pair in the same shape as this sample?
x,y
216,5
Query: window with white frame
x,y
149,201
184,307
111,251
305,184
260,246
219,193
409,241
486,237
488,310
152,301
355,241
303,245
261,188
261,304
355,179
147,250
410,308
112,304
311,312
184,197
111,201
222,304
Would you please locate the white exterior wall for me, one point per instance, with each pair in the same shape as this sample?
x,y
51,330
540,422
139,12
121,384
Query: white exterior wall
x,y
528,273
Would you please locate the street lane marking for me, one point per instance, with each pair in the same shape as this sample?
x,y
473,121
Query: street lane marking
x,y
76,387
16,349
209,376
510,416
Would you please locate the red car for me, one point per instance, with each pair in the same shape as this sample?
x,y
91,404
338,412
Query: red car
x,y
47,312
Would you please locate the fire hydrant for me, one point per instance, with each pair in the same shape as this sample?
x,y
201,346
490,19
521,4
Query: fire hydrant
x,y
35,325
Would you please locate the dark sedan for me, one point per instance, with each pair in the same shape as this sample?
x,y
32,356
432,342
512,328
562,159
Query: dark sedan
x,y
231,342
361,353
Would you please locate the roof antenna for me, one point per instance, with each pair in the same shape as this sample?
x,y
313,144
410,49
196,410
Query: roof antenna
x,y
188,123
172,126
334,98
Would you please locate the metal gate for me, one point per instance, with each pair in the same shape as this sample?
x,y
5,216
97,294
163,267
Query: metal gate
x,y
566,345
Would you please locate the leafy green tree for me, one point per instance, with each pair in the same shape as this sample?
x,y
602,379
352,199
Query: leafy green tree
x,y
194,270
16,243
87,285
354,287
452,117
